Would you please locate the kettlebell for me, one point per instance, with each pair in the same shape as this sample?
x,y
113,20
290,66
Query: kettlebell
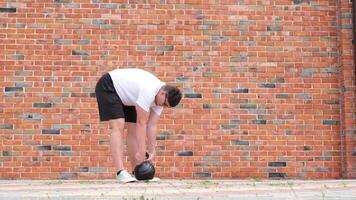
x,y
144,171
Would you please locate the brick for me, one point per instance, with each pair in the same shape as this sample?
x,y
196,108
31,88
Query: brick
x,y
63,126
228,126
321,169
209,43
297,2
192,95
9,10
161,137
84,169
279,121
279,80
182,79
44,148
289,132
98,21
347,27
201,174
62,1
240,90
235,121
264,117
13,89
6,126
277,164
84,42
240,142
197,15
109,27
235,132
267,85
259,121
51,131
329,54
239,58
165,48
185,153
144,48
6,153
67,153
67,175
108,6
19,57
332,101
346,15
62,148
221,38
23,84
81,53
307,148
330,70
282,96
62,42
248,106
274,27
308,72
104,142
97,169
211,74
207,106
42,105
304,96
220,90
330,122
277,175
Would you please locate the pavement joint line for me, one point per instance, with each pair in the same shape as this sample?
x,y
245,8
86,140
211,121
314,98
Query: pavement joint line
x,y
180,189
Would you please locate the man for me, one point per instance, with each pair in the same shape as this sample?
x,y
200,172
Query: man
x,y
133,98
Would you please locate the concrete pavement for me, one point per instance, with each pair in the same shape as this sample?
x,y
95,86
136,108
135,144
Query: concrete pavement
x,y
180,189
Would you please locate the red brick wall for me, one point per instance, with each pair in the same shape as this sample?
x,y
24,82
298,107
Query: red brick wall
x,y
269,86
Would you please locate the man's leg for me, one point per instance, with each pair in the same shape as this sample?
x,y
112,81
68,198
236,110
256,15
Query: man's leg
x,y
116,142
132,146
117,150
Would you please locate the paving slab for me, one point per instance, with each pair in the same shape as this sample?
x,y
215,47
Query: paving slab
x,y
180,189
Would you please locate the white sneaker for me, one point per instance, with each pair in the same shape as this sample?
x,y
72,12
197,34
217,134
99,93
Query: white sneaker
x,y
125,177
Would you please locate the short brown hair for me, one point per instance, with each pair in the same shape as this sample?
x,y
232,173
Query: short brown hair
x,y
174,95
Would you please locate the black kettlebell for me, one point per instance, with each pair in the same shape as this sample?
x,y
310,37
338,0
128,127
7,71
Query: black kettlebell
x,y
144,171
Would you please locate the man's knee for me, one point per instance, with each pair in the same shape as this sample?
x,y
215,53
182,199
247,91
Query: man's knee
x,y
117,125
131,127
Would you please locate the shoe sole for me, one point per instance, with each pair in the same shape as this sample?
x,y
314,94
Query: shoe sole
x,y
132,181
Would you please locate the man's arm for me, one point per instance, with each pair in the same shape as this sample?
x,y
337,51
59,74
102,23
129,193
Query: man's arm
x,y
141,127
151,133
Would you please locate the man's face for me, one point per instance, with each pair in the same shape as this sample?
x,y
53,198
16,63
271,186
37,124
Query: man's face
x,y
161,99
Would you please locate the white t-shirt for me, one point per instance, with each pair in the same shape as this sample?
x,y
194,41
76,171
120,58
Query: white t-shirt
x,y
137,87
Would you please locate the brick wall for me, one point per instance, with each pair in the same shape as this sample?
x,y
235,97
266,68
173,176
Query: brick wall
x,y
269,86
348,89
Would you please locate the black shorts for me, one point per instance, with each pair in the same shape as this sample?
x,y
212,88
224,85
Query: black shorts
x,y
109,103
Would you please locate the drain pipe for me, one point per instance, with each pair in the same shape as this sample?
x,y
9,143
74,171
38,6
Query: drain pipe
x,y
354,31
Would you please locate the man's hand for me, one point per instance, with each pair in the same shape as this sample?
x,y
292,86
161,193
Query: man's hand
x,y
150,156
